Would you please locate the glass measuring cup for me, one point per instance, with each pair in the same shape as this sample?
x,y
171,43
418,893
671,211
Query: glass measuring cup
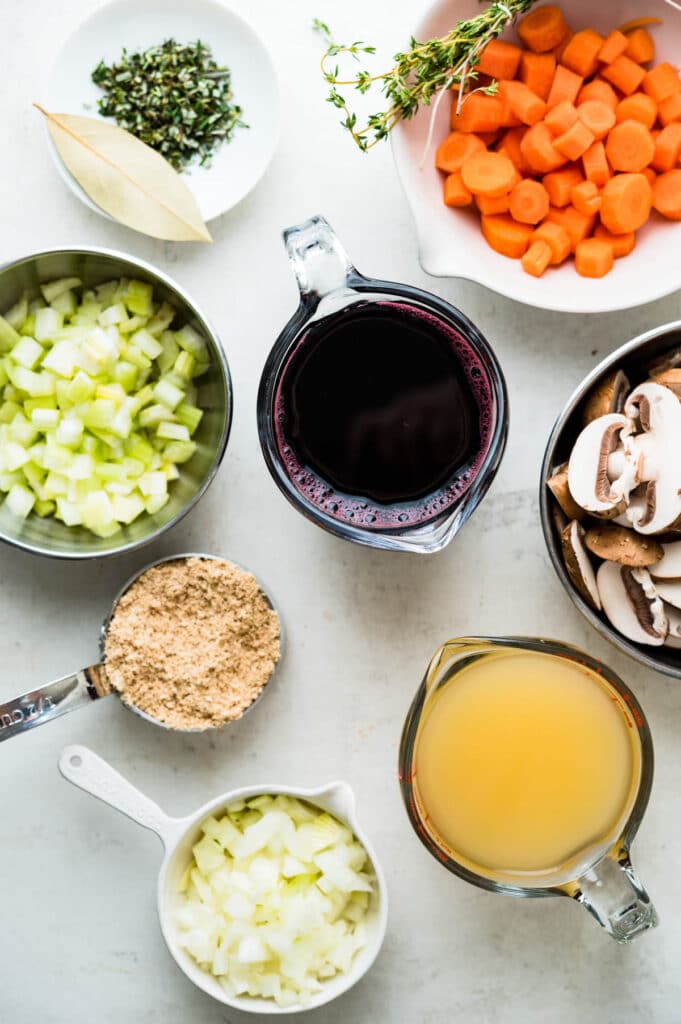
x,y
79,689
85,769
605,883
330,288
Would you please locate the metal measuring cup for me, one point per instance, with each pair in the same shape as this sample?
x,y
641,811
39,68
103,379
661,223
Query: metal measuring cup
x,y
77,690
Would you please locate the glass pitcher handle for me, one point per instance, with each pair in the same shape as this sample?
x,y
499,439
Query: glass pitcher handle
x,y
319,261
612,892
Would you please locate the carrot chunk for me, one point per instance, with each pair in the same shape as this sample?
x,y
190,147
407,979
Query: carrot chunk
x,y
523,103
629,147
559,184
622,244
615,45
453,150
561,117
500,59
479,113
578,225
598,118
595,164
488,174
559,50
667,148
498,205
529,202
598,89
637,107
537,258
575,141
456,193
661,82
627,201
586,198
537,71
556,237
581,53
543,28
565,86
670,109
505,235
538,149
510,146
594,257
667,194
624,74
650,175
640,46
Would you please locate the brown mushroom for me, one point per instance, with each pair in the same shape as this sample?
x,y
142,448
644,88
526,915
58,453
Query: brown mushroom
x,y
670,379
578,563
632,604
669,361
607,397
617,544
558,485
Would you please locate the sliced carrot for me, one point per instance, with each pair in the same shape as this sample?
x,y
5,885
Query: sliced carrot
x,y
622,244
505,235
537,71
631,26
538,149
581,53
650,175
557,238
667,194
670,109
595,164
640,46
627,200
537,258
489,138
500,59
598,118
565,86
559,184
524,104
629,147
614,45
498,205
667,148
561,117
598,89
543,28
661,82
529,202
488,174
586,198
479,113
578,225
453,150
624,74
637,107
510,146
575,141
594,257
456,193
559,50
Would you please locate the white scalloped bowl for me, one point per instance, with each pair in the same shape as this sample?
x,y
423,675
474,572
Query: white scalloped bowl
x,y
450,240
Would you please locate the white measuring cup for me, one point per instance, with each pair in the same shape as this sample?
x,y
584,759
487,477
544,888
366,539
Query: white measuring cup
x,y
89,772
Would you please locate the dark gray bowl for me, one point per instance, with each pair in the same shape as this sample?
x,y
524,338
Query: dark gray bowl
x,y
633,357
49,536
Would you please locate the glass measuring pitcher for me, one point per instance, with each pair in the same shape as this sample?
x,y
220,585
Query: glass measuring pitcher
x,y
525,768
382,410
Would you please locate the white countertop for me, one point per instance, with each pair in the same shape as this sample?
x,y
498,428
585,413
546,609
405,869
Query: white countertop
x,y
79,940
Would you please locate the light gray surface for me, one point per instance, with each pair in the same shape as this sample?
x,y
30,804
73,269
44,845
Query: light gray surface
x,y
79,940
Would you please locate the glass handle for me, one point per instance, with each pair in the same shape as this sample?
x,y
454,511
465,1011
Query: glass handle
x,y
613,894
319,261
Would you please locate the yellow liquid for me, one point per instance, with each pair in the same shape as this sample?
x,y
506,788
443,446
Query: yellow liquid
x,y
526,765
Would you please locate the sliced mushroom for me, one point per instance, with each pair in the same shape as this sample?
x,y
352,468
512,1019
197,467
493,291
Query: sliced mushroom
x,y
588,476
608,397
674,635
669,361
669,591
578,563
621,545
632,604
670,379
558,485
669,566
658,412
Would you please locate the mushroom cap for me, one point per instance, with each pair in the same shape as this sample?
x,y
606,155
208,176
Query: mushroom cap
x,y
578,563
558,485
631,603
669,566
619,544
588,478
669,591
607,397
658,413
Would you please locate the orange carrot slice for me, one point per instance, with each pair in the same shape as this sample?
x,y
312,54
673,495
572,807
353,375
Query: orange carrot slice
x,y
595,164
581,53
537,258
538,149
565,86
488,174
614,45
594,257
561,117
627,201
637,107
629,147
597,117
505,235
453,150
667,148
575,141
537,71
498,205
622,244
586,198
667,194
640,46
578,225
598,89
557,238
661,82
456,193
543,28
500,59
529,202
624,74
524,104
559,184
670,109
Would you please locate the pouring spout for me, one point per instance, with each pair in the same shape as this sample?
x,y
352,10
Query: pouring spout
x,y
340,798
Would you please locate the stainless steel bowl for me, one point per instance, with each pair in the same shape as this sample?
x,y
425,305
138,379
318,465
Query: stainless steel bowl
x,y
50,537
633,358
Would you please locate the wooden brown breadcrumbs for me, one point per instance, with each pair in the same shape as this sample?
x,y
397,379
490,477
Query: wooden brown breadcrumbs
x,y
192,642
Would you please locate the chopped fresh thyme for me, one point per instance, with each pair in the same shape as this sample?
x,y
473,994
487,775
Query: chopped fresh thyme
x,y
175,97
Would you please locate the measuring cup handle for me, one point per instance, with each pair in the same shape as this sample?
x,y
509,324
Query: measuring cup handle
x,y
47,702
319,261
613,894
89,772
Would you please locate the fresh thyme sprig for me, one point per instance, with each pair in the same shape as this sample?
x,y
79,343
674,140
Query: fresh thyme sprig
x,y
420,74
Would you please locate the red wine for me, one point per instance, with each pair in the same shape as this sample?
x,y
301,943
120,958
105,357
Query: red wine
x,y
383,414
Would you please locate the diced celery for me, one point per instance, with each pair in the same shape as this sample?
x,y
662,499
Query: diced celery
x,y
126,374
133,324
53,289
44,508
49,402
68,512
121,424
168,394
45,419
184,366
152,484
55,486
119,487
98,515
28,326
162,319
8,336
141,399
179,451
35,476
99,413
110,471
3,373
136,356
146,343
152,415
57,456
9,478
171,471
172,431
105,292
155,502
115,314
114,392
133,467
27,352
81,388
47,323
170,351
14,455
63,401
138,448
126,508
82,467
66,303
69,432
16,316
189,415
34,384
138,298
62,359
20,501
21,430
8,411
191,341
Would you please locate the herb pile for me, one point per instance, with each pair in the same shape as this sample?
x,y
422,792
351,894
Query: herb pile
x,y
174,97
420,74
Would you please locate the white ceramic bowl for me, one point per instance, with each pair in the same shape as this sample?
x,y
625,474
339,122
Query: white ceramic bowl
x,y
238,164
89,772
450,240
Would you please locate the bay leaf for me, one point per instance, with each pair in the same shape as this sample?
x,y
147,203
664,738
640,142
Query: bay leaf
x,y
126,178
